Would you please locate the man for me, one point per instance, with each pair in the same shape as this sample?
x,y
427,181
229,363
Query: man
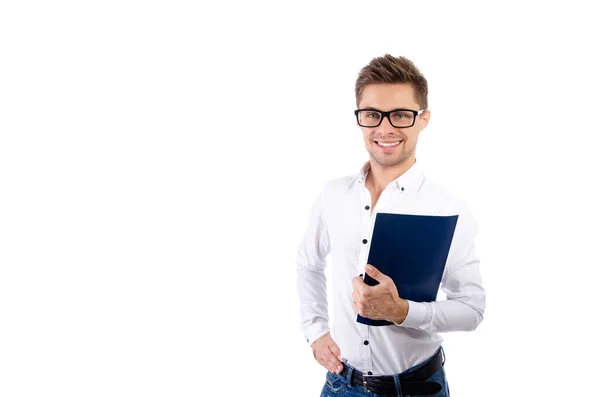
x,y
404,358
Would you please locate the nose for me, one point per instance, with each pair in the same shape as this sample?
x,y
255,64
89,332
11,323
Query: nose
x,y
386,125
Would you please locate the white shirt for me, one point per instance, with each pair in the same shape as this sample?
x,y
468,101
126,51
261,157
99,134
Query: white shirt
x,y
339,222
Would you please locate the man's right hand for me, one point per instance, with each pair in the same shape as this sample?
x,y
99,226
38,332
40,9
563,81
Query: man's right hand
x,y
327,353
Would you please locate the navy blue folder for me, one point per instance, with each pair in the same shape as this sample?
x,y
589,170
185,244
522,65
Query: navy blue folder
x,y
412,250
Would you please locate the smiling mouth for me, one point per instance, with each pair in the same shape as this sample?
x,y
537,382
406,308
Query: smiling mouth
x,y
388,144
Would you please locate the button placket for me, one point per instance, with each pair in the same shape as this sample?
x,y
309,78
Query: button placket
x,y
365,230
366,345
364,226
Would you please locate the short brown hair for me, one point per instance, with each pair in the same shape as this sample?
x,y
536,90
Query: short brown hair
x,y
388,69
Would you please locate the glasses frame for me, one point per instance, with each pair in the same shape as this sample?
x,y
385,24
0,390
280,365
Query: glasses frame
x,y
387,114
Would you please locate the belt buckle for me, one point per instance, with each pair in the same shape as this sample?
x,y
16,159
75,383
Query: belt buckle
x,y
364,378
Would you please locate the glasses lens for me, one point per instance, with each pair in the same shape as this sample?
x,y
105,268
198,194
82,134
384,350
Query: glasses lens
x,y
402,118
369,118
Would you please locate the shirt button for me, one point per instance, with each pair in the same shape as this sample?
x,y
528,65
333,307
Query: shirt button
x,y
366,342
402,188
364,241
367,207
369,373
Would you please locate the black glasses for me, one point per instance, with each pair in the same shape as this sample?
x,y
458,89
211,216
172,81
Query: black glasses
x,y
399,118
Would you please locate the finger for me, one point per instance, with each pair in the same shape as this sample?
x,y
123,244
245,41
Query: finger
x,y
362,293
331,368
331,363
338,369
323,359
356,308
335,350
358,284
335,365
375,273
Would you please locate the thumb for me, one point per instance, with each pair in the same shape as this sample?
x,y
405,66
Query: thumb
x,y
376,274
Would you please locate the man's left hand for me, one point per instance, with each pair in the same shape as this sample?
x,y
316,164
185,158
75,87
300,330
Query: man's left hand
x,y
379,302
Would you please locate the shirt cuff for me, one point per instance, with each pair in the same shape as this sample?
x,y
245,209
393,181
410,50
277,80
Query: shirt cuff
x,y
417,315
315,331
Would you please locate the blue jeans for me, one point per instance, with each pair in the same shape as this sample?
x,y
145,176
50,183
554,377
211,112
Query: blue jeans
x,y
337,385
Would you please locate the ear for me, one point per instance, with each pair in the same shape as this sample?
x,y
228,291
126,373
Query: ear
x,y
425,116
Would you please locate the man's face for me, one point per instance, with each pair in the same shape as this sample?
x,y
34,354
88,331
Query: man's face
x,y
386,97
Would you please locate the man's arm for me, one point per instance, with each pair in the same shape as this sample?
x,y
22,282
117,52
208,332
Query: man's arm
x,y
312,290
311,281
465,304
462,311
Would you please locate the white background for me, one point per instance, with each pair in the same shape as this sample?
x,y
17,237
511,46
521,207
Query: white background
x,y
158,161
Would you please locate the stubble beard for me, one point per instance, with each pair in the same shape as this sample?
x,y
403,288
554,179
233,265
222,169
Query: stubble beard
x,y
389,161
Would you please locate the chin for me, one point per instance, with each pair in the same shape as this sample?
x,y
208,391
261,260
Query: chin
x,y
389,161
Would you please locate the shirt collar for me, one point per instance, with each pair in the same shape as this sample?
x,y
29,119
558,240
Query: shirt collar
x,y
413,174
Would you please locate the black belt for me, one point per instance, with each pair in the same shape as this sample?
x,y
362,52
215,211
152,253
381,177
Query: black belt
x,y
411,383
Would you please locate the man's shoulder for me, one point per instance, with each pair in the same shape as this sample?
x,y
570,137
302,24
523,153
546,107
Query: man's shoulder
x,y
440,190
448,199
340,184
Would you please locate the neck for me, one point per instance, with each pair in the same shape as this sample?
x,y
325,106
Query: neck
x,y
380,175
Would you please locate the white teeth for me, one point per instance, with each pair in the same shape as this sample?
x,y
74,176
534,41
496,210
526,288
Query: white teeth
x,y
389,144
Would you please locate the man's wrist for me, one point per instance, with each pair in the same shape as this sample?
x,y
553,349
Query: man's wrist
x,y
400,311
316,334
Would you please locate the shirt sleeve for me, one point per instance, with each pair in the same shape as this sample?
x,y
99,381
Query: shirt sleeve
x,y
311,279
465,301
